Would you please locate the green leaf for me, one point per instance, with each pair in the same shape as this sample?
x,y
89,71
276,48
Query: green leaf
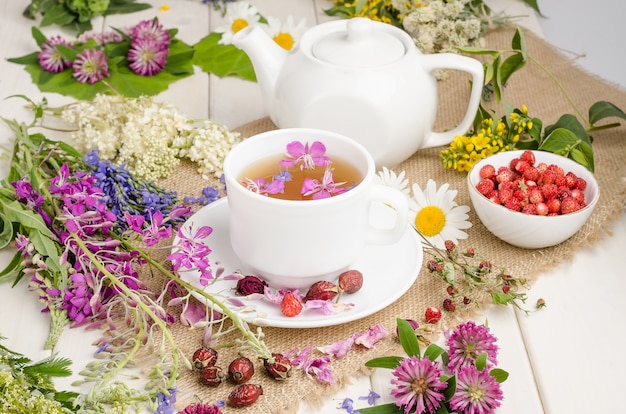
x,y
125,7
481,361
222,60
499,375
388,408
46,247
500,298
604,109
39,37
451,388
389,362
511,65
51,367
433,352
59,15
534,5
17,213
583,154
442,410
560,141
519,43
6,233
478,51
408,339
13,267
496,81
571,123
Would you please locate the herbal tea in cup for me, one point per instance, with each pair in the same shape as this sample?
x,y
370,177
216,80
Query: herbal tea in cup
x,y
299,205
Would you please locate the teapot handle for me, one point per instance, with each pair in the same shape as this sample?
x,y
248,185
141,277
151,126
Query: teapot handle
x,y
466,64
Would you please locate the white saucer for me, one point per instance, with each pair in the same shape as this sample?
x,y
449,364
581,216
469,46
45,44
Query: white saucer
x,y
388,272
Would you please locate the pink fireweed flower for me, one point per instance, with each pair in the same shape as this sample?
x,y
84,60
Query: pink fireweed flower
x,y
50,59
466,342
322,189
192,253
319,368
370,337
147,57
477,392
151,30
418,385
90,66
304,156
339,349
260,186
155,230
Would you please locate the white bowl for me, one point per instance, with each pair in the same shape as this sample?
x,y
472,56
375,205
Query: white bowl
x,y
525,230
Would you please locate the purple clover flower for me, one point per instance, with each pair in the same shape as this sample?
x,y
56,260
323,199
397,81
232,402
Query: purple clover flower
x,y
466,342
418,385
147,57
50,59
151,30
90,66
476,392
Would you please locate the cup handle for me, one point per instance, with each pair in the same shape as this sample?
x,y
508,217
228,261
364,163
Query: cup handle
x,y
466,64
388,198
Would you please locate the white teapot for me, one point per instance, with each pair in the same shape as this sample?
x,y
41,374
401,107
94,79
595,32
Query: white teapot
x,y
361,78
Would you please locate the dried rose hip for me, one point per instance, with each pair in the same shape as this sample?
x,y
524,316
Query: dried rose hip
x,y
240,370
245,395
249,285
350,281
321,290
211,376
280,369
204,357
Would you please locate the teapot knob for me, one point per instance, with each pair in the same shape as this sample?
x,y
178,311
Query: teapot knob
x,y
359,29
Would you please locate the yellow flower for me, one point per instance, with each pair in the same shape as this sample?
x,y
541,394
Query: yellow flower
x,y
239,15
285,34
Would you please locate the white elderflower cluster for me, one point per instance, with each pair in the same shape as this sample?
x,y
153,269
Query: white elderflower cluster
x,y
148,136
440,27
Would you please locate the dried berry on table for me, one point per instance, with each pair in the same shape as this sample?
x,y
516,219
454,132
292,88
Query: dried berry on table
x,y
350,281
240,370
322,290
204,357
432,314
280,369
245,395
449,305
211,376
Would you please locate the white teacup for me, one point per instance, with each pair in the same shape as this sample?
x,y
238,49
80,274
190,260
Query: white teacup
x,y
294,243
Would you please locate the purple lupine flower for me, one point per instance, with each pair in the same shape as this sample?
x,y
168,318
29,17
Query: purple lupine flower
x,y
165,402
418,385
466,342
90,66
50,59
371,397
307,158
477,392
147,57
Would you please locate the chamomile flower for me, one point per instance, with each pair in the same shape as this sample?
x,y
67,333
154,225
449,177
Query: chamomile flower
x,y
239,15
286,34
389,178
436,215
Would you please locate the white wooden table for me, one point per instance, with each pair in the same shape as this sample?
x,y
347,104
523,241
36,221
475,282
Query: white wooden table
x,y
565,359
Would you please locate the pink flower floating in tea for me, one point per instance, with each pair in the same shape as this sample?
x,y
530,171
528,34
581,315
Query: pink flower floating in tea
x,y
300,168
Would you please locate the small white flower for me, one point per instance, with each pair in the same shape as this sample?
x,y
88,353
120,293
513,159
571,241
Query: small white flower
x,y
389,178
239,15
286,34
436,215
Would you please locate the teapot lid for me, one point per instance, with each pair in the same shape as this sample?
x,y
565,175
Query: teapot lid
x,y
362,45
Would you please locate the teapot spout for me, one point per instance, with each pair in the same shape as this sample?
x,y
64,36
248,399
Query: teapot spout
x,y
267,58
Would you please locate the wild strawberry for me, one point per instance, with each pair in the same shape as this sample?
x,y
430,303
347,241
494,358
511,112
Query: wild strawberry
x,y
211,376
204,357
245,395
557,170
530,209
504,194
521,166
487,171
541,209
520,194
513,163
547,177
291,305
528,156
581,184
578,195
322,290
569,205
563,193
531,173
504,174
240,370
449,305
280,369
561,181
542,166
549,190
554,205
513,204
570,180
350,281
535,196
485,186
432,314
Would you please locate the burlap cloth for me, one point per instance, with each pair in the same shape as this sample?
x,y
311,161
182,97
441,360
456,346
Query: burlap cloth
x,y
539,93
